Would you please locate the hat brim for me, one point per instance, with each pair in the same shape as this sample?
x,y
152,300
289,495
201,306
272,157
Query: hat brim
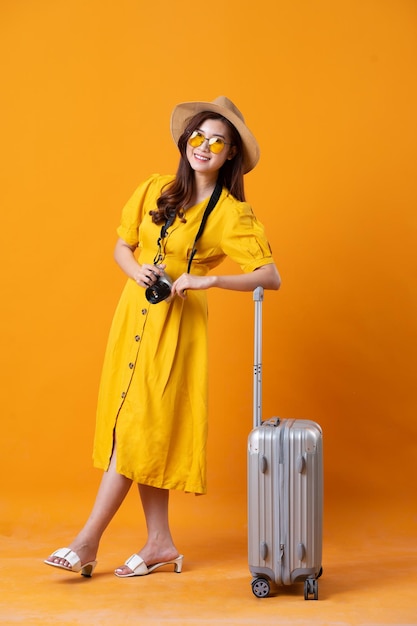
x,y
186,110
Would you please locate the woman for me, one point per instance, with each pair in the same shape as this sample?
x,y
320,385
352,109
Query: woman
x,y
152,407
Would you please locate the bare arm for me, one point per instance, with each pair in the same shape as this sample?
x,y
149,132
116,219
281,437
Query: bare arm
x,y
266,276
145,274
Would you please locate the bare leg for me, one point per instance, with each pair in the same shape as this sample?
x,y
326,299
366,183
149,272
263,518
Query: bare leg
x,y
159,546
112,491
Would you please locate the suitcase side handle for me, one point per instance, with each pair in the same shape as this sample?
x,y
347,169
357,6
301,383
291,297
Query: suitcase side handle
x,y
258,296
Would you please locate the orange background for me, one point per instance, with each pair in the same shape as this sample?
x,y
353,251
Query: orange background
x,y
329,89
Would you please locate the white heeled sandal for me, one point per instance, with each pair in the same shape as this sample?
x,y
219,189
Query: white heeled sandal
x,y
74,560
139,567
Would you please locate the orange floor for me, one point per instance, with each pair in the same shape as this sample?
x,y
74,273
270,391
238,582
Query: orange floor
x,y
370,568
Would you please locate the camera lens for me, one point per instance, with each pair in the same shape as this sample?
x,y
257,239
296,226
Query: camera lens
x,y
161,290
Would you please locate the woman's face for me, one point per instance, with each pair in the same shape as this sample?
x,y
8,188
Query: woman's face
x,y
201,158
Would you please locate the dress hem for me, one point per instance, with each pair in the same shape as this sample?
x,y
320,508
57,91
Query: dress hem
x,y
145,480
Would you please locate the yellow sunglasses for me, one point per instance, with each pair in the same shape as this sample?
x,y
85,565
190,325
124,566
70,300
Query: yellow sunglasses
x,y
215,144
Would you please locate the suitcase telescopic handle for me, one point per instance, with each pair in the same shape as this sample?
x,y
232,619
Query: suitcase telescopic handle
x,y
258,296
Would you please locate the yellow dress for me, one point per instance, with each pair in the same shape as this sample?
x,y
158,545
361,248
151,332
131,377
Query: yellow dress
x,y
153,390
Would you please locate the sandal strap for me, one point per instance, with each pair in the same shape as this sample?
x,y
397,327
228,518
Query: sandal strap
x,y
69,555
137,565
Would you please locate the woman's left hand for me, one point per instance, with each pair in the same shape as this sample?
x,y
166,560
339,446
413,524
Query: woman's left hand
x,y
190,281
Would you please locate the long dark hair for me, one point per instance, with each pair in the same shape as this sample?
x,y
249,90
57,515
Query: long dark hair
x,y
179,193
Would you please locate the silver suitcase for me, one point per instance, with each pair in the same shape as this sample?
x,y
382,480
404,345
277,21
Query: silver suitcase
x,y
285,493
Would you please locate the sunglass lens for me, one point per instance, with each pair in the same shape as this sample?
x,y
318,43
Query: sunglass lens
x,y
196,139
216,144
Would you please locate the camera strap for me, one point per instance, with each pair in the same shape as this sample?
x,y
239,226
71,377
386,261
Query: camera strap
x,y
159,255
210,206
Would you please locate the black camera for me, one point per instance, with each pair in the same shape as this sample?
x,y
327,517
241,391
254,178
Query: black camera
x,y
161,290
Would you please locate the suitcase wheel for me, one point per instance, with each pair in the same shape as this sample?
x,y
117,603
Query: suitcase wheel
x,y
311,589
261,587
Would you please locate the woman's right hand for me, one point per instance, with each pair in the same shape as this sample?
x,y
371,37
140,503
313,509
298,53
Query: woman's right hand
x,y
147,275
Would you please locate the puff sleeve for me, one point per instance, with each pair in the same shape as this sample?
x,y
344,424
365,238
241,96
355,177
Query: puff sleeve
x,y
244,239
141,202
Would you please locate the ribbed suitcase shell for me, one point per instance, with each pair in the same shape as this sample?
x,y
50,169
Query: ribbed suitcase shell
x,y
285,494
285,503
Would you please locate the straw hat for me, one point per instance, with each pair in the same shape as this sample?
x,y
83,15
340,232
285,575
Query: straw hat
x,y
225,107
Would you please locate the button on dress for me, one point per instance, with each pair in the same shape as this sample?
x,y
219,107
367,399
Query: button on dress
x,y
153,390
